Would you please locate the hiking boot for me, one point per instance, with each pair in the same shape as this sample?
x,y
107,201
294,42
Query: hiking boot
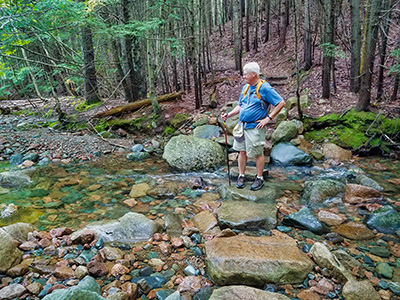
x,y
257,184
240,182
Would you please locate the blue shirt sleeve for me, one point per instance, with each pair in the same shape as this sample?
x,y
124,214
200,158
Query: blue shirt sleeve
x,y
268,93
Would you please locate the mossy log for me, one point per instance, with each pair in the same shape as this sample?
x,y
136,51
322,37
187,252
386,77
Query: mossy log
x,y
138,104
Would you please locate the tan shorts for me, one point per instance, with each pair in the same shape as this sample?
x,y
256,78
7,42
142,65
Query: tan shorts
x,y
253,144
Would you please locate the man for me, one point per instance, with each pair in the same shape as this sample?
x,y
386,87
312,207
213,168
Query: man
x,y
254,114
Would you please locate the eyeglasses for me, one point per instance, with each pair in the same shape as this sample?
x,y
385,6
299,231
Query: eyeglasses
x,y
247,74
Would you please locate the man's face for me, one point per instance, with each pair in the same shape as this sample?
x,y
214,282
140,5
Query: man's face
x,y
248,76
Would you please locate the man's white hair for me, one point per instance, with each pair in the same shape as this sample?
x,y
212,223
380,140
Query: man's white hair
x,y
252,67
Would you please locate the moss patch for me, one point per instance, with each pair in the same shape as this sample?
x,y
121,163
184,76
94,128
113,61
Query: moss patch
x,y
85,107
352,130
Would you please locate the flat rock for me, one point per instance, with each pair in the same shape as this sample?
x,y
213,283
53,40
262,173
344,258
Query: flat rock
x,y
206,222
19,231
360,290
304,219
256,261
386,220
335,152
12,291
130,228
330,218
241,292
354,231
139,190
245,214
356,193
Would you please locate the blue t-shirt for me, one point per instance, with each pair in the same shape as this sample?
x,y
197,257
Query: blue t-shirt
x,y
252,108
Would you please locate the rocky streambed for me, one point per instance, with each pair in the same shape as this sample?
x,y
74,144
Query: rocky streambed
x,y
328,231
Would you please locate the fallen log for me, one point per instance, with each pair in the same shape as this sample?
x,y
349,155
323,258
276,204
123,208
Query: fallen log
x,y
136,105
219,80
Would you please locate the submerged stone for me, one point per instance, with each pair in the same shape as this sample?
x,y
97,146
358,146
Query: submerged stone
x,y
241,292
304,219
317,191
386,220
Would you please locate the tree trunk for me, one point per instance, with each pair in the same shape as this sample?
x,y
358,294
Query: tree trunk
x,y
395,87
267,19
121,77
355,46
255,21
307,36
368,61
89,68
384,33
128,53
283,25
237,35
328,48
247,13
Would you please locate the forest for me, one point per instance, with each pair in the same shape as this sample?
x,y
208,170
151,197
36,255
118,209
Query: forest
x,y
105,49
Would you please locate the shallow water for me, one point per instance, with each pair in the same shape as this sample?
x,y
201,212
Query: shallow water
x,y
77,194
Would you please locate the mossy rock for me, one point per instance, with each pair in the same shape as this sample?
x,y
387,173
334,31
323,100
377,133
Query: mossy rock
x,y
85,107
178,120
351,130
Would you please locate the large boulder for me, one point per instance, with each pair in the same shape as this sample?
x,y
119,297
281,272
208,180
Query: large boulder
x,y
87,289
206,131
247,215
335,152
14,179
12,291
285,132
354,231
317,191
287,154
242,292
256,261
188,153
386,220
9,254
130,228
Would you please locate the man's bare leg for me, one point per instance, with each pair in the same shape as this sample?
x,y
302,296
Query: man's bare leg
x,y
260,163
242,161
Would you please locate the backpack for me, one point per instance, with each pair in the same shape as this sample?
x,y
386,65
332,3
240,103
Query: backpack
x,y
259,84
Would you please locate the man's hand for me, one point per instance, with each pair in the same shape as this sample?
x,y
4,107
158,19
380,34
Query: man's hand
x,y
224,116
263,122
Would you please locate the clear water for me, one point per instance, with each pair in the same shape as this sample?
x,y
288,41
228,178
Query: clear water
x,y
78,194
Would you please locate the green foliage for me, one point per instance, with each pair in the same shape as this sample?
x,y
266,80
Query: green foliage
x,y
396,56
49,113
85,107
331,50
169,130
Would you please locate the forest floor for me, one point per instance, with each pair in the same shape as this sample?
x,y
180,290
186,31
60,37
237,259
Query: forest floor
x,y
274,63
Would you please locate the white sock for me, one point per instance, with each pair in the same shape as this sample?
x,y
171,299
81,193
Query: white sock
x,y
262,178
241,175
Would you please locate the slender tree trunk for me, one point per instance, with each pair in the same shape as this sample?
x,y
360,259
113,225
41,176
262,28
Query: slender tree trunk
x,y
283,24
89,68
247,13
384,33
307,37
128,53
395,87
296,41
255,18
32,75
368,62
355,46
267,20
121,77
237,34
329,43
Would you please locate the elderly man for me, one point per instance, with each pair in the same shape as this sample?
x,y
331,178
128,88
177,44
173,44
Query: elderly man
x,y
254,115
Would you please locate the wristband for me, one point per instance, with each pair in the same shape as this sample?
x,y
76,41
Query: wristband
x,y
269,117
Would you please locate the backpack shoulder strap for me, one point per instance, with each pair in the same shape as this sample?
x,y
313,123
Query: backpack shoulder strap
x,y
246,90
259,84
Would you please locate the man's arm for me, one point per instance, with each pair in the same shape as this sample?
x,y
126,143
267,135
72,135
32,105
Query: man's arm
x,y
233,112
274,112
